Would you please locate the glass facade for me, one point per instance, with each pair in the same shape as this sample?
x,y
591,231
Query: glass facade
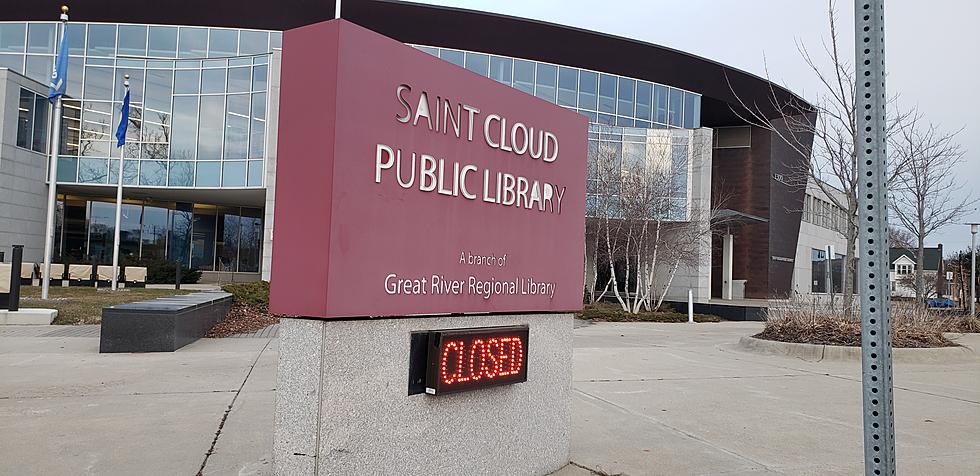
x,y
604,98
636,127
660,160
209,237
198,100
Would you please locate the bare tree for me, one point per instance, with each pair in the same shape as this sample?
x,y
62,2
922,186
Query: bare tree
x,y
899,238
643,223
824,134
927,195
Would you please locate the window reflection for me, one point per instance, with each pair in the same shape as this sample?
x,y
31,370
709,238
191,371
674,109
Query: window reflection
x,y
524,76
607,93
478,63
546,82
223,42
452,56
203,234
40,38
162,42
132,40
567,86
181,174
233,174
153,172
12,37
154,236
501,69
184,141
675,107
192,42
208,174
101,40
211,128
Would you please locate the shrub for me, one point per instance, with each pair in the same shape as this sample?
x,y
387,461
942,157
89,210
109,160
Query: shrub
x,y
818,322
254,295
161,271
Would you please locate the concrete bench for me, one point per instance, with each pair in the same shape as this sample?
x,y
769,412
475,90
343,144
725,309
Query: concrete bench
x,y
162,325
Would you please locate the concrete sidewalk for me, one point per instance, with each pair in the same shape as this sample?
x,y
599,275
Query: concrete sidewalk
x,y
649,399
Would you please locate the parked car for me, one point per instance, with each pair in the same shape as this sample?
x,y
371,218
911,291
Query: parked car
x,y
940,303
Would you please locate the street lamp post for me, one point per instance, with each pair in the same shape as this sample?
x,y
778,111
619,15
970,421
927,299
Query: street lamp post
x,y
973,269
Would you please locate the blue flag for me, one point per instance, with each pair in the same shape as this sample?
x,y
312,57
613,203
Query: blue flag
x,y
123,121
59,75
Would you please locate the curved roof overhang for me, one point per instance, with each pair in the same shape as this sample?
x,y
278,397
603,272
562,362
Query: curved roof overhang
x,y
722,87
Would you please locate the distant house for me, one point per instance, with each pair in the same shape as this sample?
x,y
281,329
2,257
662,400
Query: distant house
x,y
902,272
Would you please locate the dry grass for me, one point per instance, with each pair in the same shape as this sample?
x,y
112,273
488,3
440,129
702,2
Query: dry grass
x,y
614,313
83,305
812,322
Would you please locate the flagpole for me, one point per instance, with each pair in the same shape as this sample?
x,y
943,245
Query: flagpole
x,y
336,11
119,194
54,147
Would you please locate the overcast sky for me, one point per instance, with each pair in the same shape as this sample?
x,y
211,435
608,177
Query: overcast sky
x,y
932,50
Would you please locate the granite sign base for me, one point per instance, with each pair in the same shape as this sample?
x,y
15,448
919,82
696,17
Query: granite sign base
x,y
343,403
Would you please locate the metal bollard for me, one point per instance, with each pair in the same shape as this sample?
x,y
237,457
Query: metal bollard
x,y
177,276
16,258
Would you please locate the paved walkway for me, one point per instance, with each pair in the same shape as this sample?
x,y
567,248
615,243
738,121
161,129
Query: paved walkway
x,y
648,399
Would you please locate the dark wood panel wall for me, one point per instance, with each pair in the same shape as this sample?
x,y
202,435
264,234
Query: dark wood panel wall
x,y
762,180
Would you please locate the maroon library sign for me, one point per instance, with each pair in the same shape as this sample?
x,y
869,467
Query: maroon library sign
x,y
407,185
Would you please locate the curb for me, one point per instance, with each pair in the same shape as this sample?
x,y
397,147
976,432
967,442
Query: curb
x,y
817,353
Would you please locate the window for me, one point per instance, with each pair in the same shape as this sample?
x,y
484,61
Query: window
x,y
101,39
733,137
626,106
162,42
452,56
12,37
644,98
692,111
902,269
40,38
567,86
478,63
253,42
211,128
32,121
524,76
660,104
818,271
132,40
547,82
675,109
223,42
607,93
192,42
501,69
588,88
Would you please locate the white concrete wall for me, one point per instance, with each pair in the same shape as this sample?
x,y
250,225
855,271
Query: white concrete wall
x,y
813,237
697,277
23,191
272,139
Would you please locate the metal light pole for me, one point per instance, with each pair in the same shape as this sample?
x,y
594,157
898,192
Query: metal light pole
x,y
973,269
872,274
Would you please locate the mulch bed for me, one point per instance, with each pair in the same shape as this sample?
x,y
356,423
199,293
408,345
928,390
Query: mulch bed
x,y
243,319
614,313
848,333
